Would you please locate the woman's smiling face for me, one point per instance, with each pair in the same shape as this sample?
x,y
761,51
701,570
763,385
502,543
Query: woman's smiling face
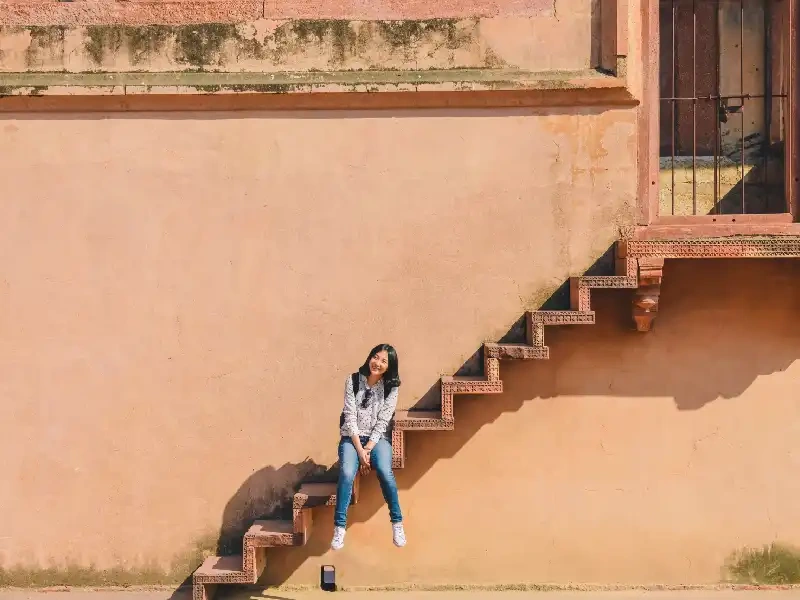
x,y
379,363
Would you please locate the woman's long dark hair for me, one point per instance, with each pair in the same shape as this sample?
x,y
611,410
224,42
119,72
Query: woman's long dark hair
x,y
392,376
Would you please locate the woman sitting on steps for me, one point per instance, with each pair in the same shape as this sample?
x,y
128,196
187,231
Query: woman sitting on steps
x,y
368,409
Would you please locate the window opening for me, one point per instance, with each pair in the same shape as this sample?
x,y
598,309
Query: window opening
x,y
724,102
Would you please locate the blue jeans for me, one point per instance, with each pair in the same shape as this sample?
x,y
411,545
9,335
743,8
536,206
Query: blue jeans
x,y
380,459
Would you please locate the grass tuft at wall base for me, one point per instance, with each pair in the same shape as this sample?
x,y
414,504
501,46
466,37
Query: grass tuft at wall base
x,y
772,564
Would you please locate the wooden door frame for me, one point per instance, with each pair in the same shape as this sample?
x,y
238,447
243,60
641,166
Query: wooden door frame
x,y
648,148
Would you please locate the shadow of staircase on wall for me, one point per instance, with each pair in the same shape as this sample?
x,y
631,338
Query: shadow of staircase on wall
x,y
525,341
479,377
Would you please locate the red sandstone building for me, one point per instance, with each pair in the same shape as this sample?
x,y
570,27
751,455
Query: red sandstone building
x,y
212,208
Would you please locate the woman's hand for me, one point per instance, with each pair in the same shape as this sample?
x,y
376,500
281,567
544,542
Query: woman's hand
x,y
364,457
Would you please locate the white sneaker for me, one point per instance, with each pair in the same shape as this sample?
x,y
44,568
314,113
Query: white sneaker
x,y
338,538
398,535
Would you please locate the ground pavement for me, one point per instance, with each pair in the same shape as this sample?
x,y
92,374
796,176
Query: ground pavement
x,y
269,594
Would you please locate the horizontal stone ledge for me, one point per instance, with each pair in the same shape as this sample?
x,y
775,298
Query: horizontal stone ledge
x,y
754,244
457,80
82,100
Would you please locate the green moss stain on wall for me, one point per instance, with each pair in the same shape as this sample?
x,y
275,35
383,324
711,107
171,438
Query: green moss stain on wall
x,y
341,35
139,41
48,39
101,39
209,45
197,45
406,34
108,40
142,42
201,45
180,568
493,61
401,33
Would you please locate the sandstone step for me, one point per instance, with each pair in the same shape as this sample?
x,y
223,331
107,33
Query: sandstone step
x,y
515,352
315,494
221,569
563,317
471,385
269,533
580,289
606,281
421,419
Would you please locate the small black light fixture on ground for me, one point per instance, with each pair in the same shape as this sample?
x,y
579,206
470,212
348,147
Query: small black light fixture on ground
x,y
327,578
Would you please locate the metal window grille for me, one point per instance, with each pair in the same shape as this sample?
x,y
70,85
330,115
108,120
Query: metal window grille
x,y
724,91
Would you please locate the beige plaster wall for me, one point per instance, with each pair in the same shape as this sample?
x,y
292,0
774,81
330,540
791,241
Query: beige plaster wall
x,y
627,458
107,47
183,295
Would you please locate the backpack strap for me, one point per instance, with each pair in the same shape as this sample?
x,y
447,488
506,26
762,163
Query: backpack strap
x,y
354,379
390,426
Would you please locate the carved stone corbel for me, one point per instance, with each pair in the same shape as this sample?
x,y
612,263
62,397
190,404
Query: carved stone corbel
x,y
645,300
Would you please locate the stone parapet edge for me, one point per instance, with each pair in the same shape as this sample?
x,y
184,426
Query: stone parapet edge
x,y
205,82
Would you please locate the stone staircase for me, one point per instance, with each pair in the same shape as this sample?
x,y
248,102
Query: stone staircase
x,y
247,568
639,263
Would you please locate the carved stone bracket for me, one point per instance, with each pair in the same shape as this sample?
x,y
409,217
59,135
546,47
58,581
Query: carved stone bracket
x,y
645,300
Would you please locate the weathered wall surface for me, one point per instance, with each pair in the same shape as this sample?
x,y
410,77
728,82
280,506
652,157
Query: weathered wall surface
x,y
265,45
731,42
183,296
119,48
626,458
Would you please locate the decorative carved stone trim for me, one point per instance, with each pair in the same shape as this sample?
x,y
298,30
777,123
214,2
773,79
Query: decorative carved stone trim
x,y
579,295
534,331
639,266
729,247
515,352
491,366
424,424
563,317
276,539
398,449
447,404
471,386
645,301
